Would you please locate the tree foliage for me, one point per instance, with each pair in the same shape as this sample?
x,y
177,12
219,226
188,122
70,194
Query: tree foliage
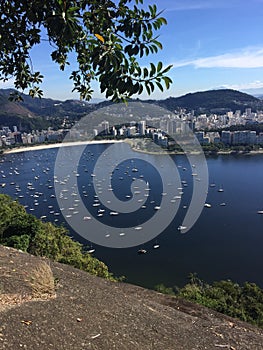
x,y
23,231
230,298
107,37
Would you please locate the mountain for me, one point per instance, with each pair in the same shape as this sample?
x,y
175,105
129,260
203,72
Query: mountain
x,y
83,311
212,101
41,113
14,113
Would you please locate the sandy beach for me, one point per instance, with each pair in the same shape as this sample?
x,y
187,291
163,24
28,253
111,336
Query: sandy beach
x,y
93,142
56,145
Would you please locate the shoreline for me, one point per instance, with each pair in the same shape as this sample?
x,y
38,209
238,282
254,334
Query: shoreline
x,y
133,147
58,145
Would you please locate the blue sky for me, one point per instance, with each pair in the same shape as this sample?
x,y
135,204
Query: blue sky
x,y
211,43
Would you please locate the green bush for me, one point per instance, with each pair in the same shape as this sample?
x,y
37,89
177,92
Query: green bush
x,y
23,231
243,302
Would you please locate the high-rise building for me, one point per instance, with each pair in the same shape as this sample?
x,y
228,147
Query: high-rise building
x,y
142,127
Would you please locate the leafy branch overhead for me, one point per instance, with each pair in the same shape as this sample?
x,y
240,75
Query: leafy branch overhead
x,y
108,39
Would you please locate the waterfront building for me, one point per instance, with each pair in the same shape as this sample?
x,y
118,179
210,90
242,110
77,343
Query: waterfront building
x,y
226,137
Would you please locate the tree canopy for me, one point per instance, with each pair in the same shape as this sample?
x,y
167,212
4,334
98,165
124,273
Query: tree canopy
x,y
108,38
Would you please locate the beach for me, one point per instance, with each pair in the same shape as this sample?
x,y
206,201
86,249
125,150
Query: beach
x,y
131,143
57,145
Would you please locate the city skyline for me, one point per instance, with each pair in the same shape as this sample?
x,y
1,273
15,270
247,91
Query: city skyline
x,y
211,44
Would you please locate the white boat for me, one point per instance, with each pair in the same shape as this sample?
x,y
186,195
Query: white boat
x,y
157,207
207,205
181,228
156,246
114,213
142,251
260,211
223,204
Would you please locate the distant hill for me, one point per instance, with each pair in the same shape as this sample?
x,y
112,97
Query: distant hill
x,y
14,113
213,101
38,113
41,113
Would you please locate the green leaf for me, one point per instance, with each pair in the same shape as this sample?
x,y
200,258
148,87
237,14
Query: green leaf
x,y
148,89
153,70
145,73
159,85
159,66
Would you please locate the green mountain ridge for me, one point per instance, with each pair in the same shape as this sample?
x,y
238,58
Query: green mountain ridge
x,y
213,101
41,113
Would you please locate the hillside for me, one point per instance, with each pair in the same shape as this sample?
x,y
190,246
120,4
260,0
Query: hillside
x,y
41,113
213,101
88,312
38,113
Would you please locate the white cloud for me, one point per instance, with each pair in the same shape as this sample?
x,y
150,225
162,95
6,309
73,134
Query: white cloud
x,y
189,5
246,58
245,86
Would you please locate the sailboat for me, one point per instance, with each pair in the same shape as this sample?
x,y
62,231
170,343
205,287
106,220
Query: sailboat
x,y
156,245
220,189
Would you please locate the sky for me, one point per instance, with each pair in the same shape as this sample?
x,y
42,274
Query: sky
x,y
211,44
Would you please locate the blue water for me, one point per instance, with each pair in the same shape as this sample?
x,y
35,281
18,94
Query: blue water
x,y
225,242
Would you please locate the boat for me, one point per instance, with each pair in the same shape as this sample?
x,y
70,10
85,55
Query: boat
x,y
156,246
157,207
142,251
223,204
220,189
181,228
113,213
260,212
207,205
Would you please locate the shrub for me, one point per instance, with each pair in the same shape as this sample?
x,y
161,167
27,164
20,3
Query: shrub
x,y
42,281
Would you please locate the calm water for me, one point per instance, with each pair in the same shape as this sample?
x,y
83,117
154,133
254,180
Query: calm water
x,y
226,241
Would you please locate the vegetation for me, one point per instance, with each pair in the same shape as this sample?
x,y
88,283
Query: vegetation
x,y
42,281
213,101
108,38
23,231
244,302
